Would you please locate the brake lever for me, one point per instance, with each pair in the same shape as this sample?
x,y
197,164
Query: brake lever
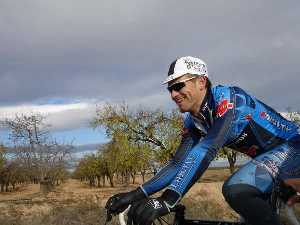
x,y
108,217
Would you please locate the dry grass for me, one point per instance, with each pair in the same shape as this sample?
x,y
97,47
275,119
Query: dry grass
x,y
74,203
205,200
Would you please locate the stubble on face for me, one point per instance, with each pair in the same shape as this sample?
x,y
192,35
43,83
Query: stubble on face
x,y
190,97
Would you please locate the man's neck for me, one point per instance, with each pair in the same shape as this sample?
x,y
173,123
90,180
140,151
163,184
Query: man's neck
x,y
195,110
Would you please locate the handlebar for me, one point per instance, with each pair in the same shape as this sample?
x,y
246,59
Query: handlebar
x,y
122,216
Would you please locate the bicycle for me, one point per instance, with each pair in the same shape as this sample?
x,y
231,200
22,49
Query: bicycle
x,y
279,196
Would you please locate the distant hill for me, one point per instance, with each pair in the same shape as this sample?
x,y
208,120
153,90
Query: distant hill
x,y
87,147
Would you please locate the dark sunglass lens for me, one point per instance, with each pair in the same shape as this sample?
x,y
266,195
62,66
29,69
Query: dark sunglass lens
x,y
176,87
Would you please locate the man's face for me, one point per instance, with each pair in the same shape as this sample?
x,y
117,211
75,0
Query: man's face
x,y
190,96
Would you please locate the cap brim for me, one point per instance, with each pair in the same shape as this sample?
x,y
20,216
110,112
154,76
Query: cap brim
x,y
172,77
175,76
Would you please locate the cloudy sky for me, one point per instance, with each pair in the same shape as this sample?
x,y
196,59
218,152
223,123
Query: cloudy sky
x,y
62,57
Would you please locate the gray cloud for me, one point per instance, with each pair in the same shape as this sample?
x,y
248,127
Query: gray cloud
x,y
112,50
59,117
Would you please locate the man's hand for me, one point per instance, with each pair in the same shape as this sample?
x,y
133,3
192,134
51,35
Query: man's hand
x,y
294,199
146,211
119,202
295,184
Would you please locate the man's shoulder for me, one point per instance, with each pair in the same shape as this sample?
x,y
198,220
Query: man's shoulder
x,y
221,90
221,87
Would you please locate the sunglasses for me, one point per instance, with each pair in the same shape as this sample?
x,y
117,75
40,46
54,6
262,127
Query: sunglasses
x,y
179,85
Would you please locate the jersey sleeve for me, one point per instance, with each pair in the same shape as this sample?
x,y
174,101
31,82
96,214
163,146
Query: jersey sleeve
x,y
167,174
200,156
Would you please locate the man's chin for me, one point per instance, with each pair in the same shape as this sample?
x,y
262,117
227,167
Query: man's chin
x,y
182,110
182,107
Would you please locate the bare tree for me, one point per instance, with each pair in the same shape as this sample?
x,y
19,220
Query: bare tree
x,y
42,157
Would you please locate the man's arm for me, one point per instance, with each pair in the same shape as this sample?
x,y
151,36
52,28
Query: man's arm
x,y
164,177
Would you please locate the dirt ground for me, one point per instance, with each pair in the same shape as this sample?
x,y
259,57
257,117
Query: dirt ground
x,y
70,201
26,206
76,203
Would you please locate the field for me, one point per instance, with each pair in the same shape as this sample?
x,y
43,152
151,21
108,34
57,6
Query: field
x,y
77,204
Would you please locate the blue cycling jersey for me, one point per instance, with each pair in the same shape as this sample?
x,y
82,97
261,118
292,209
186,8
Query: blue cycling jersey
x,y
227,117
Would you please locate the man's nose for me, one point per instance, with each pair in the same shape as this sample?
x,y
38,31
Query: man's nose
x,y
174,93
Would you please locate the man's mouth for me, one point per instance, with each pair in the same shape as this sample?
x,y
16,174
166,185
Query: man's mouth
x,y
179,100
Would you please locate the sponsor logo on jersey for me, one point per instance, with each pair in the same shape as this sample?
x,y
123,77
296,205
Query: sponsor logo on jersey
x,y
205,107
252,151
274,121
241,138
223,107
248,117
271,165
282,161
183,173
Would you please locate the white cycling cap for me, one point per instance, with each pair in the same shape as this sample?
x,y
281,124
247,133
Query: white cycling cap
x,y
186,65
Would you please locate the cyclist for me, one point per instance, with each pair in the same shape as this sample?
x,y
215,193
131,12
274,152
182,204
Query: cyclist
x,y
216,117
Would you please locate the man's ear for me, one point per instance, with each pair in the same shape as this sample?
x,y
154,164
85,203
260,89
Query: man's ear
x,y
201,82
